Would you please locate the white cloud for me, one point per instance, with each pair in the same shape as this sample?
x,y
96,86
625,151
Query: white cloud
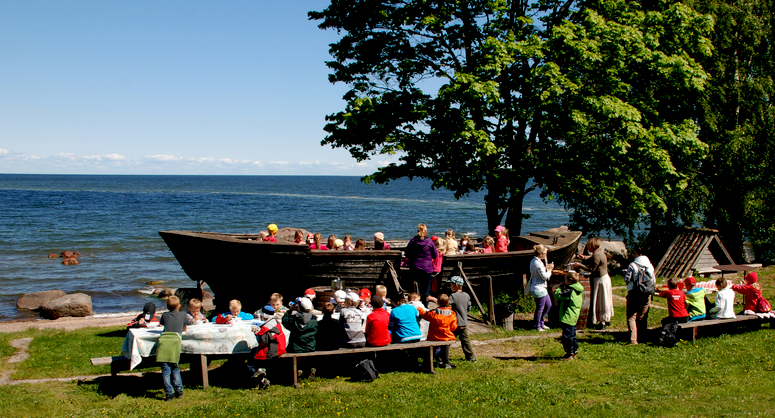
x,y
115,157
362,164
227,161
93,157
383,163
258,163
159,157
279,162
3,151
68,155
310,162
335,164
205,160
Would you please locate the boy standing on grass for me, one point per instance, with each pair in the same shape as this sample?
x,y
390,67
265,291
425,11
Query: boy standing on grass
x,y
569,295
461,303
168,351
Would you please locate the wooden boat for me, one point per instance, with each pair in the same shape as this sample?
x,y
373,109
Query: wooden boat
x,y
240,266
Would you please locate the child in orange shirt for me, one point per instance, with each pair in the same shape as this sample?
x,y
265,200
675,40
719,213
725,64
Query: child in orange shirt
x,y
443,323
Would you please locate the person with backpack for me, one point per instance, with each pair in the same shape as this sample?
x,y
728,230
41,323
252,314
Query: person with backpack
x,y
641,284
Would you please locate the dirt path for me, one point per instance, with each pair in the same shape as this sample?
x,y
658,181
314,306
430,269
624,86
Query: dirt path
x,y
67,324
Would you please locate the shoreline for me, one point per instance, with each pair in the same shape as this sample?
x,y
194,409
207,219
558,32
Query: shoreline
x,y
67,323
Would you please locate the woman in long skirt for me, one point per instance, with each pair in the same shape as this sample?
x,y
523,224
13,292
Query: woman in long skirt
x,y
601,305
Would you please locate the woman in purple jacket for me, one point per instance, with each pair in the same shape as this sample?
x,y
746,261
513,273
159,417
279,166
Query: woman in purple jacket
x,y
420,252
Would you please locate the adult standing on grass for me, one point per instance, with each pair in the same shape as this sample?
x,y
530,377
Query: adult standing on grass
x,y
420,253
601,298
539,276
638,301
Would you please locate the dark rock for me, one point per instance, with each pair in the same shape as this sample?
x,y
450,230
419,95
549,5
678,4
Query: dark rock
x,y
52,255
32,301
66,254
76,304
166,292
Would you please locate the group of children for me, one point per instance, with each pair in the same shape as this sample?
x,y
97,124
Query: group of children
x,y
691,304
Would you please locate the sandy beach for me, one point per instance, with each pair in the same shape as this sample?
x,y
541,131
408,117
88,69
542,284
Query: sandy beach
x,y
66,324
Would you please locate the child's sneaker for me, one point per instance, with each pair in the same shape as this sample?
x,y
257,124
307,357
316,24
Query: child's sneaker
x,y
260,372
312,374
169,398
179,394
264,384
545,327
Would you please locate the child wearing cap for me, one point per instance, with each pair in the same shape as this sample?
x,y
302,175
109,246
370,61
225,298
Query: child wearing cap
x,y
461,304
338,245
272,228
442,325
329,335
676,303
302,325
569,296
271,344
235,312
502,242
379,241
695,299
725,301
351,322
364,297
377,333
751,291
339,300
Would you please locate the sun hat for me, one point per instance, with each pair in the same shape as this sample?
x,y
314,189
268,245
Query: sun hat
x,y
310,293
310,237
690,280
379,236
272,228
338,243
500,228
340,296
353,297
365,294
751,277
456,280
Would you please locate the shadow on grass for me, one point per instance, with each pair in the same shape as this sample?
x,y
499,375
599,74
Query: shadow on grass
x,y
113,334
539,359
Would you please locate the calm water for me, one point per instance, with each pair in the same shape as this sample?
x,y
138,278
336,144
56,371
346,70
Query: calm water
x,y
113,221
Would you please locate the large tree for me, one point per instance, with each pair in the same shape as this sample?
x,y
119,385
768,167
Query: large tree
x,y
737,182
491,94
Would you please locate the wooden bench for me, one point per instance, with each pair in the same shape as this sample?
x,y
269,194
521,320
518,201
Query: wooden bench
x,y
198,364
746,320
428,346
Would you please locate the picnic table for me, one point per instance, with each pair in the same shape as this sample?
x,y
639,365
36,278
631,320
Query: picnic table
x,y
197,343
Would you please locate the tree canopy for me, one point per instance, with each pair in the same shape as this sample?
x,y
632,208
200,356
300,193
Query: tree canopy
x,y
595,100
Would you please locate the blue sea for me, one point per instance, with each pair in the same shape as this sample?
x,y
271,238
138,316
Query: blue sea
x,y
113,221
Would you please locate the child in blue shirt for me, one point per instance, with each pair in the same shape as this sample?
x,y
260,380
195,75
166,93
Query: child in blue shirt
x,y
235,312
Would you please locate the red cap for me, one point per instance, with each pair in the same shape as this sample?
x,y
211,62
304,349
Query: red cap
x,y
752,277
365,294
690,280
435,238
309,292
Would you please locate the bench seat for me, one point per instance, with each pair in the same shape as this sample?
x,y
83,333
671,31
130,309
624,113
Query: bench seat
x,y
746,320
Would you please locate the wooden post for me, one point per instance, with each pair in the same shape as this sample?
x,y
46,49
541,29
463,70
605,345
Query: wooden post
x,y
295,374
491,301
202,365
430,360
471,288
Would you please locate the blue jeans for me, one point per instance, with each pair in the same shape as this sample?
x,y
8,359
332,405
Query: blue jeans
x,y
569,338
170,371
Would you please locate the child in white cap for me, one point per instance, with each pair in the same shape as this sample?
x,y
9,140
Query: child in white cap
x,y
351,320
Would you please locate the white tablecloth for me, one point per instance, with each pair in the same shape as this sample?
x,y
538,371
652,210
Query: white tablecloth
x,y
198,339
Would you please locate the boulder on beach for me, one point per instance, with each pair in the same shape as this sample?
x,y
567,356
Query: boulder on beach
x,y
32,301
70,261
76,304
288,233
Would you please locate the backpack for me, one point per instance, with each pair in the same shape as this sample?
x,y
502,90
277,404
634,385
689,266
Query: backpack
x,y
642,282
669,335
365,371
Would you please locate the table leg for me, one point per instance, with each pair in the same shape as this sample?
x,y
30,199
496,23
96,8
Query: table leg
x,y
203,369
430,360
295,374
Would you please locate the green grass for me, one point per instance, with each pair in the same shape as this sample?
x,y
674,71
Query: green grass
x,y
525,379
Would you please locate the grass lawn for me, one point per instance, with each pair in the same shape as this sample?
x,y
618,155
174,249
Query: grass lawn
x,y
726,375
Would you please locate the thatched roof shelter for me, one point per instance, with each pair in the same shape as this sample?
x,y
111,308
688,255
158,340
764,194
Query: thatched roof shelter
x,y
680,251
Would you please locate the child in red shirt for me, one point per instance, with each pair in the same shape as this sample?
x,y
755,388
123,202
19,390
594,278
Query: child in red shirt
x,y
377,334
441,327
676,303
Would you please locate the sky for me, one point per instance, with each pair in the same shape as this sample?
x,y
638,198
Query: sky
x,y
173,87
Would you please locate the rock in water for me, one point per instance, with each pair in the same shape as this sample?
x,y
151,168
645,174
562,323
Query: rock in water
x,y
70,261
65,254
166,292
32,301
52,255
77,304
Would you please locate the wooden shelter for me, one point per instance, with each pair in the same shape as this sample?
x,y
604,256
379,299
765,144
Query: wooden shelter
x,y
680,251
